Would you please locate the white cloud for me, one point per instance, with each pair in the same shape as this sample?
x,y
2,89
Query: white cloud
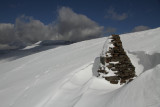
x,y
140,28
112,14
69,26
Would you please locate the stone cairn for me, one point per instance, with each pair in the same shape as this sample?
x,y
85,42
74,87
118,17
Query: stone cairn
x,y
115,65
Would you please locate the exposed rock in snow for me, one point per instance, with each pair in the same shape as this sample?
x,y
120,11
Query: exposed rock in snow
x,y
65,76
116,66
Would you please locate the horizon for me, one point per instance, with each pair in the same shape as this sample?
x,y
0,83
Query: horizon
x,y
31,21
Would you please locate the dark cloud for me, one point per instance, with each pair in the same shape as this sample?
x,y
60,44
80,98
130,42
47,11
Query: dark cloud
x,y
69,26
110,30
6,33
30,30
112,14
76,27
140,28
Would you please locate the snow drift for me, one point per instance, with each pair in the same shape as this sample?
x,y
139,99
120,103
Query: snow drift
x,y
65,76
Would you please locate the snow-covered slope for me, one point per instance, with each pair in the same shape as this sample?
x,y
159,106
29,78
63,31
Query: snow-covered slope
x,y
66,76
148,41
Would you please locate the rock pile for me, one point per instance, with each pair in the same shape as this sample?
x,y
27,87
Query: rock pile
x,y
116,65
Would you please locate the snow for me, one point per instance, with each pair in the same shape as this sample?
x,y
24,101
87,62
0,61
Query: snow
x,y
30,47
147,41
114,62
66,76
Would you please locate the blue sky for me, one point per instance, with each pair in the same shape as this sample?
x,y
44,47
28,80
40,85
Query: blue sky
x,y
119,15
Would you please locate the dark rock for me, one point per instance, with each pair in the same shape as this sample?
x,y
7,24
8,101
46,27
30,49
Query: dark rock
x,y
125,69
103,71
112,78
114,82
122,81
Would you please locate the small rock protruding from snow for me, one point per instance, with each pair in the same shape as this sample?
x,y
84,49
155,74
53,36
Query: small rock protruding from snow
x,y
115,65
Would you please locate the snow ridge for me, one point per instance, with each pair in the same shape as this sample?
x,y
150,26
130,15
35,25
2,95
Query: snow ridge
x,y
65,76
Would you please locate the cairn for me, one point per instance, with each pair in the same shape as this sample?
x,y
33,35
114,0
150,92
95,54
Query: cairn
x,y
115,65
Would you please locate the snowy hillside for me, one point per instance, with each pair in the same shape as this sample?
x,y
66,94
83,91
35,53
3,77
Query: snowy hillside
x,y
66,76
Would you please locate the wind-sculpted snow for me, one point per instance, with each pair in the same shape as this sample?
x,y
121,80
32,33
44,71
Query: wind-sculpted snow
x,y
142,92
34,80
148,61
65,76
147,41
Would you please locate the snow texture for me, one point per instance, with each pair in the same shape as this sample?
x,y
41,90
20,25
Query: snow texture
x,y
65,76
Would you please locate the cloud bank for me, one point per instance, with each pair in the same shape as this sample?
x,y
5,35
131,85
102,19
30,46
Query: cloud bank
x,y
140,28
69,26
110,30
112,14
7,35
